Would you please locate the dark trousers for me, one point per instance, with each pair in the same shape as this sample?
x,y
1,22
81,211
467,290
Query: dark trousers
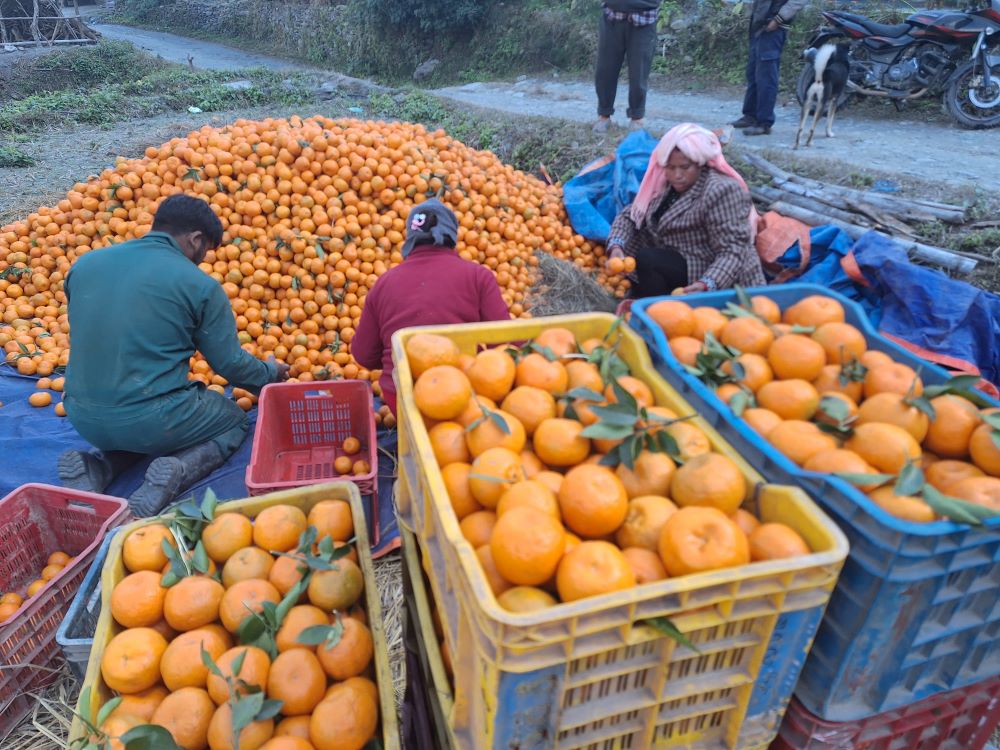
x,y
762,76
616,42
659,270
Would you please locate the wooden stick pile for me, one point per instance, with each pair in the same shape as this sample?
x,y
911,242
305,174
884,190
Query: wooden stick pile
x,y
31,23
857,212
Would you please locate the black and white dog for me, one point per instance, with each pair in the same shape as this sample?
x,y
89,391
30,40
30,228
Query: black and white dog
x,y
832,67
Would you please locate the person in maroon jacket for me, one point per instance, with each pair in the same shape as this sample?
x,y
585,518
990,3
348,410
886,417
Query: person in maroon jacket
x,y
432,286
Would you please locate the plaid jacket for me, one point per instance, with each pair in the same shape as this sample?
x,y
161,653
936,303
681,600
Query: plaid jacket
x,y
636,18
708,225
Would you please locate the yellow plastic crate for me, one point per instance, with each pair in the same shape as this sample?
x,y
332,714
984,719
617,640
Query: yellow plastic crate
x,y
589,674
304,498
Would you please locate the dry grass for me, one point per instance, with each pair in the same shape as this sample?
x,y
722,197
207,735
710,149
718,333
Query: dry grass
x,y
563,288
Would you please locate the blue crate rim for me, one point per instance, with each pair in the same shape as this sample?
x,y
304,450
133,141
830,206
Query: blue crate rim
x,y
79,599
935,528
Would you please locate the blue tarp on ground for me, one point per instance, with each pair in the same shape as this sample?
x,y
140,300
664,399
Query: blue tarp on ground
x,y
32,439
914,303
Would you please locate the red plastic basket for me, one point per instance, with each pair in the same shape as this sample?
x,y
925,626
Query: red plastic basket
x,y
960,719
300,429
35,521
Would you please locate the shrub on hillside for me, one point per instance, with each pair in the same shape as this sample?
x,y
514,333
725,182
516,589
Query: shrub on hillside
x,y
429,16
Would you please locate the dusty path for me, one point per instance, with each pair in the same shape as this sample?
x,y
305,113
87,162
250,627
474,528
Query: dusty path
x,y
898,143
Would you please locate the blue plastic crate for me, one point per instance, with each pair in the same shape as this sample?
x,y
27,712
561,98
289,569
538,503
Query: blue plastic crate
x,y
76,633
917,608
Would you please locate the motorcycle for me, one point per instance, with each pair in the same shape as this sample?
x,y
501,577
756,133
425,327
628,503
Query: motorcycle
x,y
949,53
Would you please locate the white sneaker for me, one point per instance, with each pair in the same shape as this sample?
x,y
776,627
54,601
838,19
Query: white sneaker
x,y
639,124
602,125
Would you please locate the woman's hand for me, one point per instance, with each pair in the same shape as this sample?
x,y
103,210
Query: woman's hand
x,y
615,252
698,286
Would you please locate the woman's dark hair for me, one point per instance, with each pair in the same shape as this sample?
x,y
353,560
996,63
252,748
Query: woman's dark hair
x,y
180,214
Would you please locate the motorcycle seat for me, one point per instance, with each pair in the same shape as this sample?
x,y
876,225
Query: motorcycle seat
x,y
878,29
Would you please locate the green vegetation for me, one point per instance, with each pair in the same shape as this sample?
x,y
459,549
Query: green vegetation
x,y
12,156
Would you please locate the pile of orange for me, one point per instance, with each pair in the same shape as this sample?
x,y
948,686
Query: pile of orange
x,y
350,462
807,382
179,662
549,517
12,601
314,212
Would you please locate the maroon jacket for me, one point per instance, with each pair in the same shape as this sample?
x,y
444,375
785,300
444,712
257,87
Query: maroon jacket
x,y
433,286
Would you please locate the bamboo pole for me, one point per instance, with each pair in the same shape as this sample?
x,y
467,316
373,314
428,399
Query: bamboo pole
x,y
773,195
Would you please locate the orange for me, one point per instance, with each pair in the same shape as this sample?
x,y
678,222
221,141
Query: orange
x,y
487,434
498,584
40,399
524,599
762,420
493,471
427,350
141,705
531,406
789,399
903,506
644,521
583,375
674,317
537,371
814,311
550,479
332,518
707,320
448,443
227,534
746,520
278,528
297,678
351,655
943,474
833,379
531,494
836,408
530,463
638,390
686,349
766,308
593,501
115,726
983,491
650,475
838,461
298,619
337,589
456,483
247,563
691,440
756,370
293,726
251,737
558,442
645,564
492,374
726,391
141,549
253,671
527,545
181,665
477,528
186,714
244,598
345,720
137,600
442,392
984,449
709,480
287,743
131,660
893,378
842,342
12,598
800,440
58,558
885,446
893,409
591,569
7,611
192,602
342,465
697,539
796,356
776,541
955,419
35,586
351,446
747,336
560,341
873,358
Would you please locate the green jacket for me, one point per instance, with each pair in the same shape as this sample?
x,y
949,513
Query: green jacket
x,y
138,311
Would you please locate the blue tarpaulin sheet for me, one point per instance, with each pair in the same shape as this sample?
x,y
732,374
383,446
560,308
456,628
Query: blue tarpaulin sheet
x,y
917,304
32,439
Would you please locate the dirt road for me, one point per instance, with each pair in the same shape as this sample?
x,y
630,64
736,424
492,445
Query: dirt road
x,y
897,143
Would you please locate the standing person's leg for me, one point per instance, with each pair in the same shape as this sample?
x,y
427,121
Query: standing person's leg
x,y
610,56
769,49
659,271
750,98
640,53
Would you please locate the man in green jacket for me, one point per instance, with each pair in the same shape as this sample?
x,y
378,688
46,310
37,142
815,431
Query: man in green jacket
x,y
138,311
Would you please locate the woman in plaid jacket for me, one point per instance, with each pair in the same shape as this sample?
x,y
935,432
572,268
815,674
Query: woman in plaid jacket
x,y
692,224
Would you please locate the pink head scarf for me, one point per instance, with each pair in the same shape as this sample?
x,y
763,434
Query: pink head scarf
x,y
700,146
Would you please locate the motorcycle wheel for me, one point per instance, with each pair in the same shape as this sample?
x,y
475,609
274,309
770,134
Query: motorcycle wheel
x,y
969,103
806,79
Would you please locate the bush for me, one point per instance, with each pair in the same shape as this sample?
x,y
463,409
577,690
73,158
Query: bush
x,y
12,156
430,16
